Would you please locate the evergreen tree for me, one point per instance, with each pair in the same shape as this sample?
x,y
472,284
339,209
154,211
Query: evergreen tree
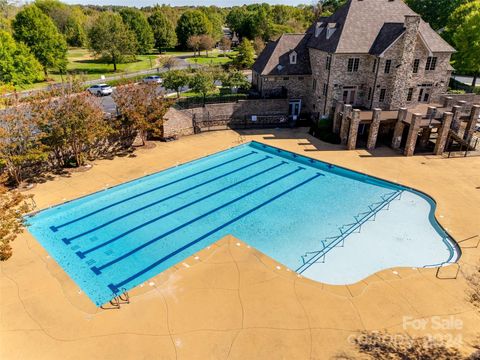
x,y
36,30
246,54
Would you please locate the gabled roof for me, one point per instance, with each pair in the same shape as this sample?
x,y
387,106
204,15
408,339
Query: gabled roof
x,y
275,60
387,35
360,28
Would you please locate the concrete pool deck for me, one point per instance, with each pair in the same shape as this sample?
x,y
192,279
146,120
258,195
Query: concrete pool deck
x,y
231,301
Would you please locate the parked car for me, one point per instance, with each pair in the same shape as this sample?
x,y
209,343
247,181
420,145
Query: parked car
x,y
100,89
152,79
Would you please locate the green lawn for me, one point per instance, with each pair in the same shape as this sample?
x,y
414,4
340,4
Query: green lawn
x,y
84,65
214,58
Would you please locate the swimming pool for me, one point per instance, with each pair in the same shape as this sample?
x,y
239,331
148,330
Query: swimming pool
x,y
294,209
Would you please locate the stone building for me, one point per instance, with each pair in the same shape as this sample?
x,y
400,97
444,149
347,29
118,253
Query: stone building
x,y
370,54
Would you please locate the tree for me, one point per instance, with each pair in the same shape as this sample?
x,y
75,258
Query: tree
x,y
137,22
258,45
192,22
206,43
467,41
435,12
202,82
70,20
73,125
32,27
175,80
216,20
17,65
193,43
168,62
142,107
20,142
236,80
246,54
163,30
110,38
13,207
225,44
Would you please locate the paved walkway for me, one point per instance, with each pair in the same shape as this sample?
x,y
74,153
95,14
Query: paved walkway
x,y
232,301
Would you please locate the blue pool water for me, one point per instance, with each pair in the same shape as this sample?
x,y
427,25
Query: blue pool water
x,y
285,205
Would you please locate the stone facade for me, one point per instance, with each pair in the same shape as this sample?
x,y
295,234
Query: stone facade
x,y
397,69
292,87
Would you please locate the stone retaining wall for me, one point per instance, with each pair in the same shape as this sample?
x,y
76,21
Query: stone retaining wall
x,y
180,122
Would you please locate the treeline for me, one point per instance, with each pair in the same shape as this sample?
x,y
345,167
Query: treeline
x,y
35,37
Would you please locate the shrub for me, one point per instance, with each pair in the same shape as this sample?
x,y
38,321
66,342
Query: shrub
x,y
322,130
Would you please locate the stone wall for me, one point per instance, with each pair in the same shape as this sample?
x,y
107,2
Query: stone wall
x,y
177,123
297,86
180,122
318,61
469,98
243,108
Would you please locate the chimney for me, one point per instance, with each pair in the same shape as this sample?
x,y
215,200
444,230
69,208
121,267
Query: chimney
x,y
403,73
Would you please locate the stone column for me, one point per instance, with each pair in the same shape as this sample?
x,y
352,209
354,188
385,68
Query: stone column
x,y
447,101
456,110
472,122
347,110
413,134
399,126
353,132
336,117
374,126
443,133
462,104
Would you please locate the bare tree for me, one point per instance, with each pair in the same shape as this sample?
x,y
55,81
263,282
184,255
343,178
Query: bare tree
x,y
206,43
193,43
225,44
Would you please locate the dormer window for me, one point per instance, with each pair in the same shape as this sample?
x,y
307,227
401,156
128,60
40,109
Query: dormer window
x,y
293,57
319,26
331,27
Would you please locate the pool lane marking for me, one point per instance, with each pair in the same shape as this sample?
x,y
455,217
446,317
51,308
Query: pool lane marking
x,y
115,287
81,254
97,269
55,228
69,240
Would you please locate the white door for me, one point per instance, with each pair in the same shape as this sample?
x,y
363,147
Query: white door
x,y
294,108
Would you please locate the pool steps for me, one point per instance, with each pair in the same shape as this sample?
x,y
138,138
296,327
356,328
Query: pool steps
x,y
360,219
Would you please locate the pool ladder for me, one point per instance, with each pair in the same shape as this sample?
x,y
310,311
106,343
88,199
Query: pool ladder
x,y
345,230
118,300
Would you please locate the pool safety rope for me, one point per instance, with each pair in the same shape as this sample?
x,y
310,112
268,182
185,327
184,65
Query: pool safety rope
x,y
331,242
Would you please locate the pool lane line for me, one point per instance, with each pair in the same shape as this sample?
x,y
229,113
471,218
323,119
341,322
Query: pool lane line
x,y
55,228
97,269
67,241
115,287
81,254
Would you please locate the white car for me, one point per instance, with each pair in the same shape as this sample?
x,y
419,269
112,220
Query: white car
x,y
152,79
100,89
